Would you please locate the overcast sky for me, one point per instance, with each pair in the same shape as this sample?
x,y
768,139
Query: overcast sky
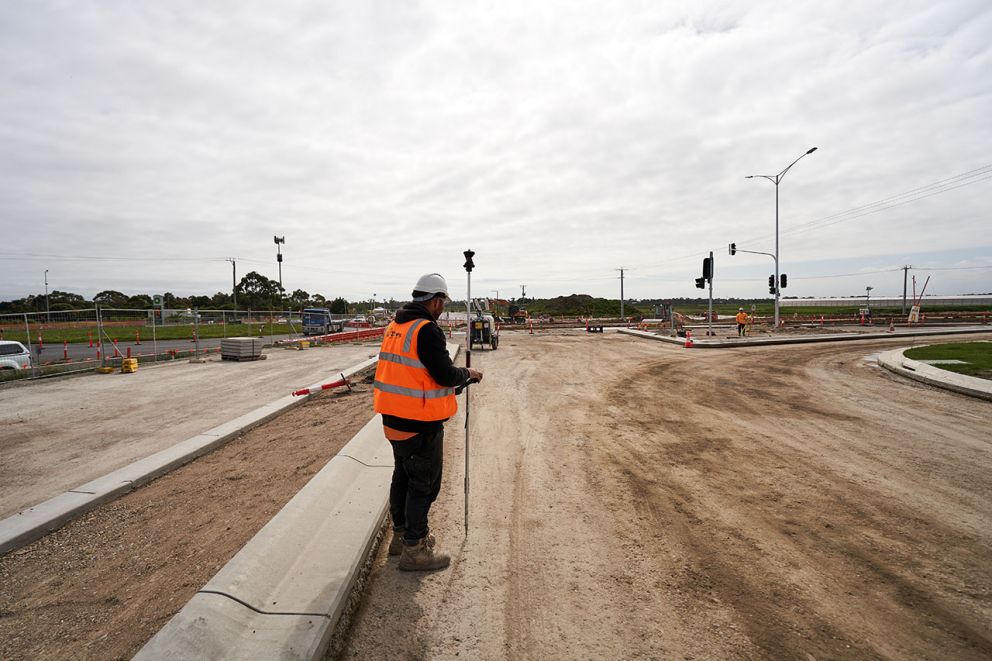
x,y
559,140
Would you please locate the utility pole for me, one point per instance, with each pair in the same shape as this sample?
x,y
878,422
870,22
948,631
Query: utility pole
x,y
905,274
48,311
523,292
621,290
234,282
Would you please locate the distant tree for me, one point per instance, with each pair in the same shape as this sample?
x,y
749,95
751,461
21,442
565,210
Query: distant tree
x,y
318,301
220,300
202,302
299,299
140,302
66,300
339,306
111,299
170,301
257,291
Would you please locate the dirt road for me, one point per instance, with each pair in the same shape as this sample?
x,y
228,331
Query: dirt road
x,y
60,433
636,500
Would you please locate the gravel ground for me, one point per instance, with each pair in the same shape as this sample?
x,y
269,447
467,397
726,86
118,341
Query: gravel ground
x,y
104,584
58,434
631,499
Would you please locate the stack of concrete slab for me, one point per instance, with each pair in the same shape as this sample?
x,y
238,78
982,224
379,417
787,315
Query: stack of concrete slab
x,y
241,348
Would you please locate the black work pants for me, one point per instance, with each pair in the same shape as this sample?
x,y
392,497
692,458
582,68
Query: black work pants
x,y
416,481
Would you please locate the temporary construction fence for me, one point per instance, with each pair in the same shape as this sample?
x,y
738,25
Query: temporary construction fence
x,y
72,340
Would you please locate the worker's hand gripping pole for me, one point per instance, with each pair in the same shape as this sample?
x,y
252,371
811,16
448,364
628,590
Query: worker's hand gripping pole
x,y
469,265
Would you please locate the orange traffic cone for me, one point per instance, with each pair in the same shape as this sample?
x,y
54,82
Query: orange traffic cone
x,y
531,324
688,339
892,326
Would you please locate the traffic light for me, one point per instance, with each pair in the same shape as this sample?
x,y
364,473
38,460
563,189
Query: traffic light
x,y
783,280
771,284
707,268
733,249
701,283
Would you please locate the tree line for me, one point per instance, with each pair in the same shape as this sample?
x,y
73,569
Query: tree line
x,y
255,291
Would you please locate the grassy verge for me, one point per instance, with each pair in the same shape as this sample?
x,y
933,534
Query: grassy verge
x,y
977,357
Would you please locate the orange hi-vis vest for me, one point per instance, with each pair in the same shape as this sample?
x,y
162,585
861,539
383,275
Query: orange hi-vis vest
x,y
403,386
742,317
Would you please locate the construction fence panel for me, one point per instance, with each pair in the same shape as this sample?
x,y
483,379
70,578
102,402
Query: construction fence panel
x,y
79,340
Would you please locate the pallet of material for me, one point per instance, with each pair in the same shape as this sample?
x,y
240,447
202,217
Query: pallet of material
x,y
241,348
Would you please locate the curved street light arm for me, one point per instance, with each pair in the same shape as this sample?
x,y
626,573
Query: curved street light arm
x,y
789,167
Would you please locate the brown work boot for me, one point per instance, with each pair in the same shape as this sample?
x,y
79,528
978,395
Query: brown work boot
x,y
422,557
396,543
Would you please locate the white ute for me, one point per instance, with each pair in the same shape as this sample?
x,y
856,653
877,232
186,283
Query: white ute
x,y
14,356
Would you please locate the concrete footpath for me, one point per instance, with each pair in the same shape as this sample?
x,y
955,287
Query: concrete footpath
x,y
282,596
726,343
896,362
39,520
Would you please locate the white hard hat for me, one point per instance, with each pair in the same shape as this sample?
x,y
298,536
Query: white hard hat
x,y
431,284
741,309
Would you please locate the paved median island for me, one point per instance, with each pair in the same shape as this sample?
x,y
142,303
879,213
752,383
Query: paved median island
x,y
896,362
283,594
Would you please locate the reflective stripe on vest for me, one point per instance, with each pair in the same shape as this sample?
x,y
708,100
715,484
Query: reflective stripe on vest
x,y
403,387
410,392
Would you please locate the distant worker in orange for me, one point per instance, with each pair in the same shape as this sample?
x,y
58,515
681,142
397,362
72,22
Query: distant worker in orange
x,y
741,321
414,391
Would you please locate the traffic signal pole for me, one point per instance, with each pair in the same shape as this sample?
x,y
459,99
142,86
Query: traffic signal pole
x,y
776,283
709,331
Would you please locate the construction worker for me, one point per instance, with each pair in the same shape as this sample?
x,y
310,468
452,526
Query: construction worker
x,y
741,321
415,393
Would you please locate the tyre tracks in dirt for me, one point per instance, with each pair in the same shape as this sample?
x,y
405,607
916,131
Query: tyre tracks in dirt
x,y
636,500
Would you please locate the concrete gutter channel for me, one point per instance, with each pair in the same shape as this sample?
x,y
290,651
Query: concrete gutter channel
x,y
283,595
704,343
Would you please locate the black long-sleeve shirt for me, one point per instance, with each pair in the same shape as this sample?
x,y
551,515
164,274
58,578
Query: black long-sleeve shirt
x,y
432,350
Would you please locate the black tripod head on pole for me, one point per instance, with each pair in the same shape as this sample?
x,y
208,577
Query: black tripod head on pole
x,y
469,265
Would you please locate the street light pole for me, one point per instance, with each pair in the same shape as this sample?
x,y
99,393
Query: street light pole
x,y
776,179
48,311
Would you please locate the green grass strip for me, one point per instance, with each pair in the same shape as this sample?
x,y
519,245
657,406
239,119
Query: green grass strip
x,y
976,355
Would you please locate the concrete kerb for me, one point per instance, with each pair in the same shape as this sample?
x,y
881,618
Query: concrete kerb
x,y
283,595
896,362
703,343
37,521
